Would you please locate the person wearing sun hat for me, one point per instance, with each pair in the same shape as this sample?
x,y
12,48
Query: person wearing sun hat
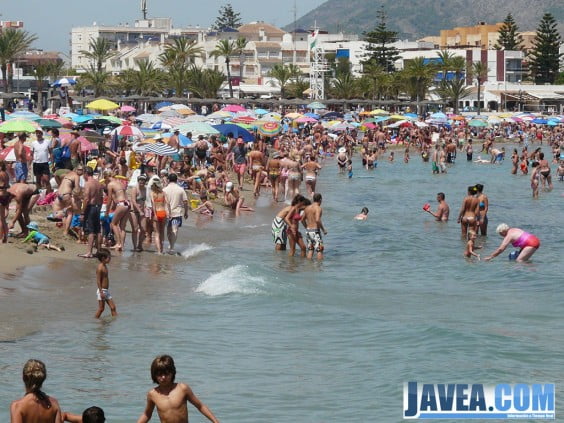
x,y
40,239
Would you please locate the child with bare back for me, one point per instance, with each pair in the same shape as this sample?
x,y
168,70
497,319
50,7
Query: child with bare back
x,y
103,282
170,397
35,406
470,246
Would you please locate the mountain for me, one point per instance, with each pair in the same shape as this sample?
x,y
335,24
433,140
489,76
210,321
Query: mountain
x,y
420,18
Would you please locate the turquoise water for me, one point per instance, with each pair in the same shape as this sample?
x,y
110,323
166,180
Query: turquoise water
x,y
263,338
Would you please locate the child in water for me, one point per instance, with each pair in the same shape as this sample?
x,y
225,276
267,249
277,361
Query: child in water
x,y
350,168
103,282
470,246
170,397
363,214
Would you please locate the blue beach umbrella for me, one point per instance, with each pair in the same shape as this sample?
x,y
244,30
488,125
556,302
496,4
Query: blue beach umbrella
x,y
411,115
312,115
64,81
261,111
539,121
439,116
163,104
183,140
236,130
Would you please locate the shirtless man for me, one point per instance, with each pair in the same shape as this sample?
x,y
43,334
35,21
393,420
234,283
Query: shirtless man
x,y
25,196
35,406
314,226
450,152
74,147
92,203
468,212
118,198
21,168
443,211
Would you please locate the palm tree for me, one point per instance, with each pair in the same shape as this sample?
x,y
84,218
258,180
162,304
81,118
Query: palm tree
x,y
452,91
13,43
445,57
419,77
205,83
226,49
344,86
240,45
178,79
374,73
95,79
282,74
99,50
479,72
148,80
181,52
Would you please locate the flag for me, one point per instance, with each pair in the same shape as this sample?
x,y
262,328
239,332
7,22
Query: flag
x,y
313,39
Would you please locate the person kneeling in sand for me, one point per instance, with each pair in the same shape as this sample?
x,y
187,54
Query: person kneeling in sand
x,y
40,239
170,397
35,406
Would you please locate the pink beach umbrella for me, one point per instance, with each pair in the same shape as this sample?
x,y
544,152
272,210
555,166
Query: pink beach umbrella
x,y
234,108
127,108
305,119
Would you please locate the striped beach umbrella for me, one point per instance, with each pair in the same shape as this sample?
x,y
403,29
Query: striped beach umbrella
x,y
160,149
269,129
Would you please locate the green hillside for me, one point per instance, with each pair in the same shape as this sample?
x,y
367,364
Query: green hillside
x,y
416,19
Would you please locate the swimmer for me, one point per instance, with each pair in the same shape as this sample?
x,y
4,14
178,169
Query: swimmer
x,y
470,246
442,213
35,406
363,214
528,243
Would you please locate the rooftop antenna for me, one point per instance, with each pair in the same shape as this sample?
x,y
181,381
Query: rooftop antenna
x,y
294,34
144,9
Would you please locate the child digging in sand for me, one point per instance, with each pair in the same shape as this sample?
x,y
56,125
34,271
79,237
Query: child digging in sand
x,y
40,239
170,397
103,282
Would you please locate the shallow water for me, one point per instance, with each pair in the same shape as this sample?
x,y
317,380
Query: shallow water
x,y
263,337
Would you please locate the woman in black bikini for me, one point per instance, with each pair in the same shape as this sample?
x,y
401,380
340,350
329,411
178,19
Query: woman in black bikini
x,y
544,170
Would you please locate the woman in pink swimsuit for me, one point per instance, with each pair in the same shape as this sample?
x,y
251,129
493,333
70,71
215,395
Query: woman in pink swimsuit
x,y
528,243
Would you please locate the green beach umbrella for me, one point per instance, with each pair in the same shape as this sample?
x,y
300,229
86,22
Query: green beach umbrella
x,y
18,125
48,123
478,123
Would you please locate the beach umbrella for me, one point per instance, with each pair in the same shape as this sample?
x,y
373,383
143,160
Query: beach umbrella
x,y
183,140
195,118
243,119
126,108
396,117
180,107
197,128
160,149
312,115
163,104
185,112
170,113
48,123
379,112
539,121
269,129
65,123
421,124
92,136
64,82
222,114
128,131
293,115
233,108
102,104
18,125
236,130
411,115
439,116
316,105
369,125
477,123
331,115
8,154
341,127
86,145
148,117
305,119
23,114
260,111
552,123
272,116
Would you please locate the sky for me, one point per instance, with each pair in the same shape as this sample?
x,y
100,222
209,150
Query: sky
x,y
52,20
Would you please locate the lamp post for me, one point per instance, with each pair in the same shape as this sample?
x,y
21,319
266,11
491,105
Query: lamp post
x,y
520,97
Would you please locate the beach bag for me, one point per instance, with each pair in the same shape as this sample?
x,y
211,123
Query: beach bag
x,y
65,152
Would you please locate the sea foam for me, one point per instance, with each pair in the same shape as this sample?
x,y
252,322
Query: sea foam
x,y
233,280
195,250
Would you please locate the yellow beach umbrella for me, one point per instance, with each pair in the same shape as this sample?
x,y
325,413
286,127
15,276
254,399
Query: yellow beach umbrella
x,y
102,104
293,115
397,117
378,112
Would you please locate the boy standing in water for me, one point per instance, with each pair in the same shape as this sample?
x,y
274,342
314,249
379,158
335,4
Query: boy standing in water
x,y
170,397
103,282
35,406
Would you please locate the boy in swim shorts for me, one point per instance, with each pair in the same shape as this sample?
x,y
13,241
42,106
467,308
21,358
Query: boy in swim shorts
x,y
103,283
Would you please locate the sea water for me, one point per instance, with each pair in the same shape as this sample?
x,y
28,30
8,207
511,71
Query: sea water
x,y
262,337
